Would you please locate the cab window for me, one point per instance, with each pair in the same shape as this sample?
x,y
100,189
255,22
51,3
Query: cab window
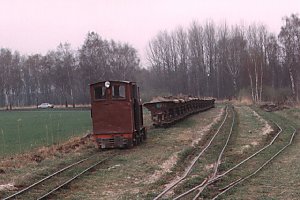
x,y
118,92
99,92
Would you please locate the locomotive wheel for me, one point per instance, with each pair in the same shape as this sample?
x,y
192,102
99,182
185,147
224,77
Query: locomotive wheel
x,y
144,135
135,140
141,138
129,144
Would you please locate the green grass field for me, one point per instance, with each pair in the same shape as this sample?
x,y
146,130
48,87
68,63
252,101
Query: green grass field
x,y
24,130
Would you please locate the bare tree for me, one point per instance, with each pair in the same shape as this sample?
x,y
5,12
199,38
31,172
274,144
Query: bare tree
x,y
196,59
210,59
290,39
6,63
257,60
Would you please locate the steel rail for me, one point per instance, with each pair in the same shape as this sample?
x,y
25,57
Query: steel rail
x,y
202,186
233,184
219,158
194,161
254,154
231,169
72,179
226,144
46,178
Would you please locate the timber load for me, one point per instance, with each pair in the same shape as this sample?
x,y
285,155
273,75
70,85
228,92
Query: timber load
x,y
166,111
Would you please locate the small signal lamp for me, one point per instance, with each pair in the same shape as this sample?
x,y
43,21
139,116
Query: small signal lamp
x,y
107,84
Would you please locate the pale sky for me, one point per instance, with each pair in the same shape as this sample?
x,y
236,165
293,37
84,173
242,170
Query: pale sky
x,y
36,26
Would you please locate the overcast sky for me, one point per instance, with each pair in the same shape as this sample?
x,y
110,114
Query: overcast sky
x,y
36,26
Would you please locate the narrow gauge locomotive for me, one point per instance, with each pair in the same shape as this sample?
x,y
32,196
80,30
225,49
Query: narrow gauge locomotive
x,y
117,114
168,110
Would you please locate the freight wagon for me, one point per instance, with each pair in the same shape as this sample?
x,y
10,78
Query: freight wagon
x,y
168,110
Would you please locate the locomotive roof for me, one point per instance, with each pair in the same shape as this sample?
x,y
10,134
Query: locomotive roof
x,y
126,82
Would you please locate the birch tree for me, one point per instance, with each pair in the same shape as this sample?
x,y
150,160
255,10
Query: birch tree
x,y
290,38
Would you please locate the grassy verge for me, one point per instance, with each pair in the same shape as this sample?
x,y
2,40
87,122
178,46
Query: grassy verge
x,y
142,172
279,179
247,137
24,169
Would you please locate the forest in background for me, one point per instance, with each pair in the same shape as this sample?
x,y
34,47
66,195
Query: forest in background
x,y
207,60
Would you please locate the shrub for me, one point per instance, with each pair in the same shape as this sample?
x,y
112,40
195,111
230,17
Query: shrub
x,y
280,95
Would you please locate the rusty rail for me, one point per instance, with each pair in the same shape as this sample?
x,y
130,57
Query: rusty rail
x,y
201,186
233,184
46,178
219,158
195,160
30,187
231,169
71,179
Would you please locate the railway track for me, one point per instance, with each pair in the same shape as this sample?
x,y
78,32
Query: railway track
x,y
219,136
51,184
220,189
240,180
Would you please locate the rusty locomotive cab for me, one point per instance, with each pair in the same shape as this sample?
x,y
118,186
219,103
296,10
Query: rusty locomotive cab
x,y
166,111
117,114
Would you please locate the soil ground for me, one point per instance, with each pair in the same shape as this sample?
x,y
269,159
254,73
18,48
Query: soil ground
x,y
144,171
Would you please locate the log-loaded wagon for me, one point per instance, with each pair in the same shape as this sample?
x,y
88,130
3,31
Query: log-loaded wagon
x,y
166,111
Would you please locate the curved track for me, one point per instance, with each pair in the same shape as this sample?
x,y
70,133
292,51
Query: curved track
x,y
41,189
190,167
233,184
229,186
220,156
203,185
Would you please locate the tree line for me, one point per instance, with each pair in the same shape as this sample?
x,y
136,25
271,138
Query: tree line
x,y
202,60
228,62
62,76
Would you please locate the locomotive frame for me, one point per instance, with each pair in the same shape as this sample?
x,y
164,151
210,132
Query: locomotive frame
x,y
117,114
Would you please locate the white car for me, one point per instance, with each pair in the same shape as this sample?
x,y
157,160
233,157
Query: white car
x,y
46,105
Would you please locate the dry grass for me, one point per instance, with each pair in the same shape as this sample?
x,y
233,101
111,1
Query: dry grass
x,y
75,144
19,170
133,167
280,178
140,169
136,173
248,136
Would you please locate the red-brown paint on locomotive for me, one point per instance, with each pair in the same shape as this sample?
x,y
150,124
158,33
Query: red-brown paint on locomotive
x,y
113,117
